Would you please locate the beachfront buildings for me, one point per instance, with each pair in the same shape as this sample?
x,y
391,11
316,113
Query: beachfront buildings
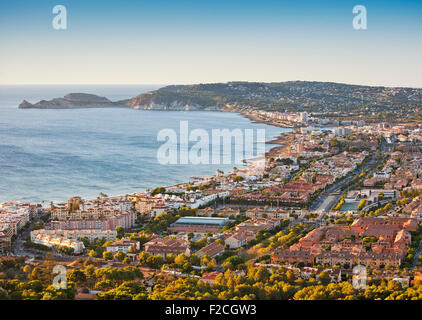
x,y
70,238
13,217
123,219
91,219
107,235
149,206
78,214
6,234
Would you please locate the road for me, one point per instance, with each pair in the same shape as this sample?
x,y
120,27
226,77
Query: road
x,y
325,201
416,257
19,249
328,202
244,250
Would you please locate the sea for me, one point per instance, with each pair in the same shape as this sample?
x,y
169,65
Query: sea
x,y
51,155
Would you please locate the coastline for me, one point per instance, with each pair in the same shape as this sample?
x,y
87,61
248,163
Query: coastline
x,y
279,141
255,119
274,139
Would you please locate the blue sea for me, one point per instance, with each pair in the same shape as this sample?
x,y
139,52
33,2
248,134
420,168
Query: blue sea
x,y
51,155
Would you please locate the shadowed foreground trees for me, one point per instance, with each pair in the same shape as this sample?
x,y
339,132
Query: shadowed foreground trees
x,y
19,281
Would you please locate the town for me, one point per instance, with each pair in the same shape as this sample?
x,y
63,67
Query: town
x,y
331,195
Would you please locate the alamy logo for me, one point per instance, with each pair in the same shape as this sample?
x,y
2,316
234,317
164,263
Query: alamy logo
x,y
60,20
60,280
215,149
359,277
360,20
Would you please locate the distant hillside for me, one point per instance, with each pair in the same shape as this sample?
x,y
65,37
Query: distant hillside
x,y
292,95
237,96
164,99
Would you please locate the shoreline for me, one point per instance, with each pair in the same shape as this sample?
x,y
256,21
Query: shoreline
x,y
255,119
279,141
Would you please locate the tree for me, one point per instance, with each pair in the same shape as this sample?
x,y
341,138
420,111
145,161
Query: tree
x,y
261,274
238,179
120,255
93,253
108,255
227,265
76,276
170,258
180,259
158,191
27,269
324,277
38,225
142,257
90,270
155,261
120,232
104,285
205,260
194,260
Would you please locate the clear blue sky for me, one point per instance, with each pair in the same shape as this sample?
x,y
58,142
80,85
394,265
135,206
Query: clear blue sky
x,y
183,41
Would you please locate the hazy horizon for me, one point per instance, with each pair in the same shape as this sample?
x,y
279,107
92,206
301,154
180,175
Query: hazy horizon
x,y
193,83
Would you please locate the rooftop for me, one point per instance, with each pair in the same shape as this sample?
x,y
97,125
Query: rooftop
x,y
202,221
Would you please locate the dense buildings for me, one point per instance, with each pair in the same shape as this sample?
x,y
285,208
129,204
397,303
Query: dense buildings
x,y
70,238
78,214
324,202
368,241
110,222
13,217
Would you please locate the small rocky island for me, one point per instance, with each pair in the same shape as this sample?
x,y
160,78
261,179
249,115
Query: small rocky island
x,y
73,101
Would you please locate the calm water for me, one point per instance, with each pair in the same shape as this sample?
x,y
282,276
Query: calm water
x,y
54,154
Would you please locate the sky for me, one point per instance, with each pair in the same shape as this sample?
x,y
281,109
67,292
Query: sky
x,y
186,41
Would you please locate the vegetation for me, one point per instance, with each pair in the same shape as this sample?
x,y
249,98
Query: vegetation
x,y
340,203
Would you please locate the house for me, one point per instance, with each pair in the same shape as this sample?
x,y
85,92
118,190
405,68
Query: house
x,y
125,245
257,224
210,277
212,250
403,239
239,239
165,246
158,209
264,213
311,238
6,233
292,257
352,196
